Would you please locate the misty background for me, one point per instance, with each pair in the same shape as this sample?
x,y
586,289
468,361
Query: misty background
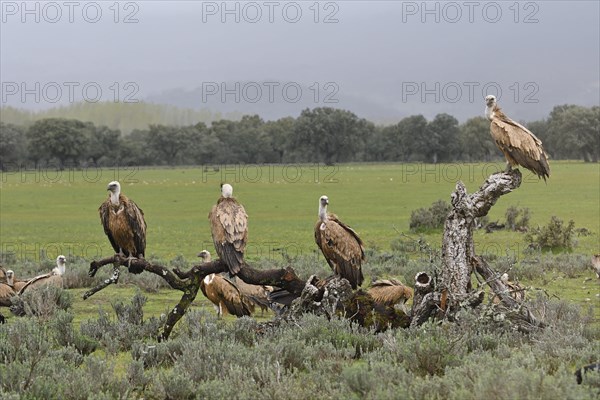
x,y
381,60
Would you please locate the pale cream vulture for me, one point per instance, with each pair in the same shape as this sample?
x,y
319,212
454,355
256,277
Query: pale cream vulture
x,y
13,282
54,278
517,143
340,245
229,228
390,292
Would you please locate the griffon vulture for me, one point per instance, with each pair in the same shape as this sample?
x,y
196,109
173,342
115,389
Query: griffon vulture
x,y
517,143
123,223
340,245
390,292
225,296
54,278
229,228
255,295
11,281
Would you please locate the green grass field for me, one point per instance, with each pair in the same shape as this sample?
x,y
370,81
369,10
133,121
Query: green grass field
x,y
46,213
55,212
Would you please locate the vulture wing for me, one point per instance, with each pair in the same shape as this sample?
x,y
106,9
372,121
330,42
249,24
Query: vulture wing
x,y
104,212
342,249
6,292
229,227
519,145
390,292
137,224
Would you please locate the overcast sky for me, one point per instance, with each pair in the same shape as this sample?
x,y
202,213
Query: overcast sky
x,y
381,59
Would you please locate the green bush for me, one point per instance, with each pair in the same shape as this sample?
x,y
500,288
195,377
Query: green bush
x,y
517,219
425,219
556,236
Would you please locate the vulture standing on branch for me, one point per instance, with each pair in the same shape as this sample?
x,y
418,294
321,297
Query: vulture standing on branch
x,y
229,228
390,292
340,245
123,223
54,278
517,143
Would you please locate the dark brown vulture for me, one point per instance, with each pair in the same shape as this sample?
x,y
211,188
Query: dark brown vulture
x,y
54,278
390,292
123,223
340,245
229,228
517,143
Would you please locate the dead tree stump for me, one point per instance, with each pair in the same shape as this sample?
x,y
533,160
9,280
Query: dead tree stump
x,y
453,288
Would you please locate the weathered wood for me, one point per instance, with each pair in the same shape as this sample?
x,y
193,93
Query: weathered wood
x,y
457,242
189,282
453,289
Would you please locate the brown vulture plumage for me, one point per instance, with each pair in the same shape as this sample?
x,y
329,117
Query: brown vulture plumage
x,y
123,223
229,228
10,280
253,295
390,292
53,278
225,296
6,292
340,245
517,143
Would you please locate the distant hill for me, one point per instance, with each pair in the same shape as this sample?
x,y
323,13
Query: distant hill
x,y
123,116
272,100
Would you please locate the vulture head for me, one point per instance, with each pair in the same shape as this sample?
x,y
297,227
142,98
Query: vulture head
x,y
61,262
10,277
226,190
504,278
204,255
115,190
490,102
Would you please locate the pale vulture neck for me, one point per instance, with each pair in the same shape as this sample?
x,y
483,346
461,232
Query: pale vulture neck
x,y
489,111
114,197
322,213
60,269
10,281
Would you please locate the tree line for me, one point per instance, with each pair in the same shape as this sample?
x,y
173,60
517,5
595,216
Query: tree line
x,y
323,135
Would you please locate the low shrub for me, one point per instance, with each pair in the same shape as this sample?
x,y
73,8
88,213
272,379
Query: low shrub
x,y
425,219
